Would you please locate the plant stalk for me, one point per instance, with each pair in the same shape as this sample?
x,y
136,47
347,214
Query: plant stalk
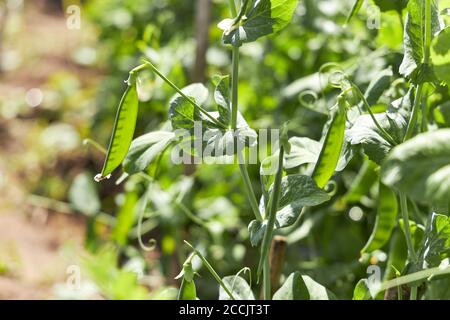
x,y
405,216
234,87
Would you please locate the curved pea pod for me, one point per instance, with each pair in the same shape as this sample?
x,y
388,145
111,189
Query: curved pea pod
x,y
385,220
123,131
332,146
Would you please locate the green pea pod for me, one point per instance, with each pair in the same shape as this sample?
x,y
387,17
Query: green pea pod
x,y
123,131
332,146
385,220
187,290
365,179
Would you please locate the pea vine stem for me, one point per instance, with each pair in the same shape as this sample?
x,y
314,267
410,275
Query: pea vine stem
x,y
180,92
267,240
426,60
408,236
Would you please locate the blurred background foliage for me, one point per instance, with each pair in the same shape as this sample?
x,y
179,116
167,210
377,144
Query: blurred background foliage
x,y
60,86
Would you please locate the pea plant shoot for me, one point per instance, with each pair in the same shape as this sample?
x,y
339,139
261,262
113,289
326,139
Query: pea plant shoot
x,y
394,127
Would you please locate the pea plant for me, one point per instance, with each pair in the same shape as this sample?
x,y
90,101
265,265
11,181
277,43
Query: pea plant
x,y
403,141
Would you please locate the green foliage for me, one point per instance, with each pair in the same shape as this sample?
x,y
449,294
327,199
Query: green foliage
x,y
260,18
83,195
300,287
440,55
238,286
419,167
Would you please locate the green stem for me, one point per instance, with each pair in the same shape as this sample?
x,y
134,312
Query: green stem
x,y
413,293
250,192
383,132
232,8
427,31
181,93
211,270
267,290
415,113
234,87
405,216
272,207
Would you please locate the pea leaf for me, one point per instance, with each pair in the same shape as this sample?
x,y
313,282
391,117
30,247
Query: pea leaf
x,y
123,131
306,151
440,55
420,167
144,149
297,191
389,5
361,291
181,112
413,39
436,242
83,195
238,287
262,17
385,220
221,96
298,287
364,132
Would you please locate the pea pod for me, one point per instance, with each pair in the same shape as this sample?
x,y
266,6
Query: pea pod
x,y
332,146
362,183
123,131
385,220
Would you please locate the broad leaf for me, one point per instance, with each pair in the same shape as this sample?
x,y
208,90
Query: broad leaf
x,y
297,191
221,96
364,132
388,5
440,55
238,287
306,151
361,291
144,150
262,17
436,242
298,287
181,112
413,38
420,167
83,195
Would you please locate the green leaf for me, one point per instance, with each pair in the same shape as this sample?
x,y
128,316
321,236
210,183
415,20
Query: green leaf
x,y
125,218
385,221
297,191
364,132
123,131
413,38
420,167
388,5
238,287
440,55
262,17
307,151
436,243
144,149
378,85
222,98
361,291
332,146
298,287
181,112
83,195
